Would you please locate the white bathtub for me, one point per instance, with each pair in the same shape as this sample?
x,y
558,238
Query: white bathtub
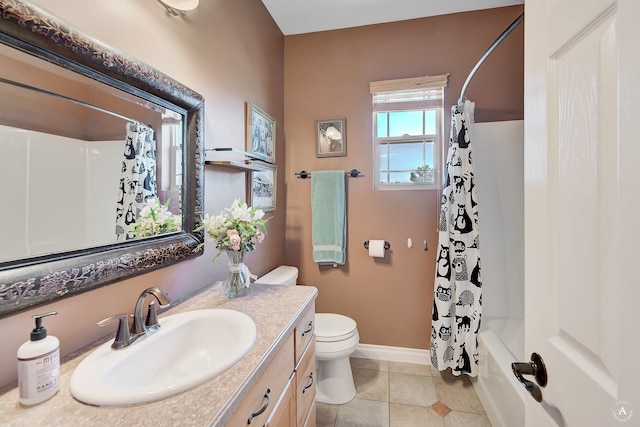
x,y
500,393
499,162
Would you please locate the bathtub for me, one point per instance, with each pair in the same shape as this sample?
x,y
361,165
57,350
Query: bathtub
x,y
502,396
499,162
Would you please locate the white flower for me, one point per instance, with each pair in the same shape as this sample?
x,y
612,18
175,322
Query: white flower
x,y
239,210
258,215
237,228
155,218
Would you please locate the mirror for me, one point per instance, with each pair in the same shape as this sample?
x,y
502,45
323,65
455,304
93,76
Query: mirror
x,y
65,161
70,108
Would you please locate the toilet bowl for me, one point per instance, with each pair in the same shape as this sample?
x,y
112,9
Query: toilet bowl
x,y
336,340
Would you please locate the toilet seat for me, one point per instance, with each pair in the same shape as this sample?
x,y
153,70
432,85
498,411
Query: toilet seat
x,y
331,327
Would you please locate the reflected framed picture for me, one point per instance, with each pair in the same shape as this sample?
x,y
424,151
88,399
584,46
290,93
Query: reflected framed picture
x,y
262,186
260,134
331,137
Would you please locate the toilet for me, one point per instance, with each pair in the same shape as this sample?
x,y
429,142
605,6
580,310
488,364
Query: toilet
x,y
336,340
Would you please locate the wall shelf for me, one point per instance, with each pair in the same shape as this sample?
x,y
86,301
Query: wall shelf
x,y
246,166
241,160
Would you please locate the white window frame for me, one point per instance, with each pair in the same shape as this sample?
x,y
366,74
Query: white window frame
x,y
171,146
424,93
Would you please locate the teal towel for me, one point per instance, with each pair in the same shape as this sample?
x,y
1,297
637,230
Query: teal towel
x,y
328,217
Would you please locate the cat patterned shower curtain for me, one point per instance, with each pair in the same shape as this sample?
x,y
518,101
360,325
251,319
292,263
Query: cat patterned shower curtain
x,y
457,300
137,179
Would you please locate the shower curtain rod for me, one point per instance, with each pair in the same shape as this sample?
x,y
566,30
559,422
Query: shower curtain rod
x,y
499,40
75,101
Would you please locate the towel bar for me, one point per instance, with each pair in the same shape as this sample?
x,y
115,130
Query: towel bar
x,y
353,173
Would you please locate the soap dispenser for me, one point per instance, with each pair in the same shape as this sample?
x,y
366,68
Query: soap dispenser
x,y
39,365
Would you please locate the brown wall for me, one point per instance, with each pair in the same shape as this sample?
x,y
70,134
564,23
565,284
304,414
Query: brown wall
x,y
228,51
327,75
232,52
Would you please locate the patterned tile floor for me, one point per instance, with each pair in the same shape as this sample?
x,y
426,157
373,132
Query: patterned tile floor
x,y
393,394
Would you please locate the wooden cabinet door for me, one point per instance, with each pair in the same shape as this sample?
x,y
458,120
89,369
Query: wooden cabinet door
x,y
284,412
260,401
306,383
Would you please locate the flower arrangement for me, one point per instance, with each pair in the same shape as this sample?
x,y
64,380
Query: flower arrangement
x,y
238,228
155,218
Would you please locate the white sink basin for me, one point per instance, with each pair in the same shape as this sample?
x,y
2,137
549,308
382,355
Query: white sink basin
x,y
189,349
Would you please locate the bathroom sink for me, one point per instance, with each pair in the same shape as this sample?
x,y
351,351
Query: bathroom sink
x,y
189,349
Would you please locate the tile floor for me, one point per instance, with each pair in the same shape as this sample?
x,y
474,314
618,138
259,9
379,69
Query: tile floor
x,y
393,394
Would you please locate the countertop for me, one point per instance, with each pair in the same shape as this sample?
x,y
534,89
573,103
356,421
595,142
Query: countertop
x,y
275,310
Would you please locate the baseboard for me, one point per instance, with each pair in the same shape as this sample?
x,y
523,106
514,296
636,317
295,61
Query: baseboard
x,y
393,354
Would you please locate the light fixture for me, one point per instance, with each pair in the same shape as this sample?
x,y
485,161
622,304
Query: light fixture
x,y
179,7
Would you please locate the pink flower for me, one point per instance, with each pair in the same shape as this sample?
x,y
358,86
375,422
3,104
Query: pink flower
x,y
234,239
232,232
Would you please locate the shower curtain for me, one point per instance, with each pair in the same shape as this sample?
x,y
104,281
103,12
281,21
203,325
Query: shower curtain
x,y
457,302
137,179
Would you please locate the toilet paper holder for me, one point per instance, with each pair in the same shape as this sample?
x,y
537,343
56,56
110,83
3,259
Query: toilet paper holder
x,y
387,245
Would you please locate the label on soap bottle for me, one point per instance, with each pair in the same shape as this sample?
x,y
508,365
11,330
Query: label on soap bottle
x,y
39,375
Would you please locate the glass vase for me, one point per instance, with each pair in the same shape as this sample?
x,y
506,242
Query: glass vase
x,y
236,283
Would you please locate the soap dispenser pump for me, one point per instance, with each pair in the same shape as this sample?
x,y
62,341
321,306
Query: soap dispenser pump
x,y
39,365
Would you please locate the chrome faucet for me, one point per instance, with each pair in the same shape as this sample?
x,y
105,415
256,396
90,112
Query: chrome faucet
x,y
126,336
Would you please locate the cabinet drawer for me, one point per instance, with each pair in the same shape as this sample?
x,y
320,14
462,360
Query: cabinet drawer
x,y
260,401
306,383
305,331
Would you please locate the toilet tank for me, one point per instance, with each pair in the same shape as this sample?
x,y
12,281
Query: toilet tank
x,y
284,275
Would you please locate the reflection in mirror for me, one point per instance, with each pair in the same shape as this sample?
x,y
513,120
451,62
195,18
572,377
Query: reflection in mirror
x,y
73,113
65,161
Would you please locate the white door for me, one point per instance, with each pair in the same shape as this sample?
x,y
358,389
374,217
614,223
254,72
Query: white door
x,y
582,209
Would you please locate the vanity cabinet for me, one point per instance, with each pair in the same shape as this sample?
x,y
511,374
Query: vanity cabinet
x,y
282,361
284,395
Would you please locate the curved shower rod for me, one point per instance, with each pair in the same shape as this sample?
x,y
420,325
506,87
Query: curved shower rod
x,y
501,37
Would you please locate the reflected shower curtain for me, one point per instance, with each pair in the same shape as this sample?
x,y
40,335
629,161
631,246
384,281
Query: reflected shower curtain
x,y
138,178
457,303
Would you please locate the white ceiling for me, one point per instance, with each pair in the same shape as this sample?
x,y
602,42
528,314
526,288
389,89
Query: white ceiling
x,y
308,16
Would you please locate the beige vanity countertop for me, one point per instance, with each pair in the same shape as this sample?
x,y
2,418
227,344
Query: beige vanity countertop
x,y
275,310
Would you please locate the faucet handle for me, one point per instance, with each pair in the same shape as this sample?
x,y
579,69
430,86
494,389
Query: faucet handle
x,y
123,337
152,317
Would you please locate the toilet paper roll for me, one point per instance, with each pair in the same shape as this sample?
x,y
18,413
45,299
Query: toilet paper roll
x,y
376,248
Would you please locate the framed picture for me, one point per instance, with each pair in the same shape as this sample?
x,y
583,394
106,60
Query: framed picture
x,y
260,134
262,186
331,137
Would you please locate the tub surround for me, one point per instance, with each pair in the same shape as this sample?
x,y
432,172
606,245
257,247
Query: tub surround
x,y
275,310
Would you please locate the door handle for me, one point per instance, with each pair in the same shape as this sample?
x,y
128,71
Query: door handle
x,y
536,368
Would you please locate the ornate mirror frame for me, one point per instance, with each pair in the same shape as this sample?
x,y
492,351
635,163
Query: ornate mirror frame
x,y
40,280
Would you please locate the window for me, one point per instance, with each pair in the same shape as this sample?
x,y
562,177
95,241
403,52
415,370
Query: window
x,y
407,117
172,147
